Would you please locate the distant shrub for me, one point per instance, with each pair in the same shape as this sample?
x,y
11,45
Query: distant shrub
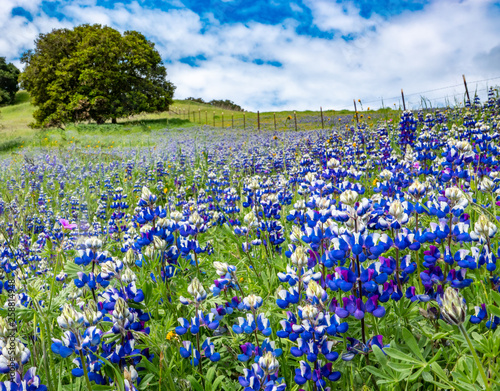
x,y
226,104
223,104
198,100
10,144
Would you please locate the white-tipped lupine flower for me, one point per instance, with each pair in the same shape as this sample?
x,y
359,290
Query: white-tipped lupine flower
x,y
147,196
128,276
300,257
268,363
91,315
93,243
487,184
417,189
456,197
4,328
484,229
349,197
254,183
386,175
195,219
130,374
309,311
397,211
315,292
250,219
296,234
176,216
252,302
13,351
196,290
333,163
223,268
453,307
69,317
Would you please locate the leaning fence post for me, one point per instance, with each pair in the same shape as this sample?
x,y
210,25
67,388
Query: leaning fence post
x,y
466,89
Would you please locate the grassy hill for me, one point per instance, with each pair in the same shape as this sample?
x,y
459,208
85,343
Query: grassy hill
x,y
16,133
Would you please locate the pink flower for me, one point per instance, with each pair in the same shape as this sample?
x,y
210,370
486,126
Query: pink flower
x,y
416,165
66,225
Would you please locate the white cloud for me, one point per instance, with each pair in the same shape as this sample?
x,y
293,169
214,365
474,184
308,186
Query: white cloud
x,y
416,51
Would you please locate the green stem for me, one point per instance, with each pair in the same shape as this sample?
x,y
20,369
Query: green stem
x,y
84,366
476,358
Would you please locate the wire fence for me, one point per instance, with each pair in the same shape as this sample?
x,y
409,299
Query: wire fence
x,y
441,97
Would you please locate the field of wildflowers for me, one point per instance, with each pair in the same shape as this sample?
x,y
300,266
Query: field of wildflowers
x,y
355,257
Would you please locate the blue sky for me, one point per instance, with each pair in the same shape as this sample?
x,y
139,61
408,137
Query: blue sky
x,y
273,55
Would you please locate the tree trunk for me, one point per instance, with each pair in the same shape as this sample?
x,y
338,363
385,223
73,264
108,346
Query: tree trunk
x,y
113,120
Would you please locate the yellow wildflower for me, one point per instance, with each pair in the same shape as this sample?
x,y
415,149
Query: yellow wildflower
x,y
171,335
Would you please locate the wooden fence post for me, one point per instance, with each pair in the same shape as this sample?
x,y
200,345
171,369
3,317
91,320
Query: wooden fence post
x,y
258,120
274,121
403,96
466,89
322,123
356,111
295,118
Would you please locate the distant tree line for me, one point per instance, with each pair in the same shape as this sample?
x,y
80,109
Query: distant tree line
x,y
223,104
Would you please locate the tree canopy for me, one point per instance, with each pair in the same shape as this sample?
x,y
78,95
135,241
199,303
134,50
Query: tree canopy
x,y
93,72
8,82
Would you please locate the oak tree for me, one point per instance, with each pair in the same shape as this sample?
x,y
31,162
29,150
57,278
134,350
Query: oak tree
x,y
94,73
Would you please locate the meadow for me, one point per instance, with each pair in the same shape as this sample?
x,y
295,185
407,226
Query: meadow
x,y
166,253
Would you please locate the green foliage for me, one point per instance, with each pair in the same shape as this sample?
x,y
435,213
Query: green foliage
x,y
225,104
94,73
8,82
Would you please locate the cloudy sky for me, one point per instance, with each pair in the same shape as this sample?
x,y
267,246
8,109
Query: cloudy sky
x,y
272,54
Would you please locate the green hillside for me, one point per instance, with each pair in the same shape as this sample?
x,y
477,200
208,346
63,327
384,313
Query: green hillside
x,y
17,134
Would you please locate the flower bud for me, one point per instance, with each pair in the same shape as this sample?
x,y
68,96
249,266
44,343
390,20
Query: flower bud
x,y
487,184
483,229
250,219
196,219
69,317
453,307
130,258
196,290
93,243
176,216
268,363
349,197
128,276
314,290
159,243
300,257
